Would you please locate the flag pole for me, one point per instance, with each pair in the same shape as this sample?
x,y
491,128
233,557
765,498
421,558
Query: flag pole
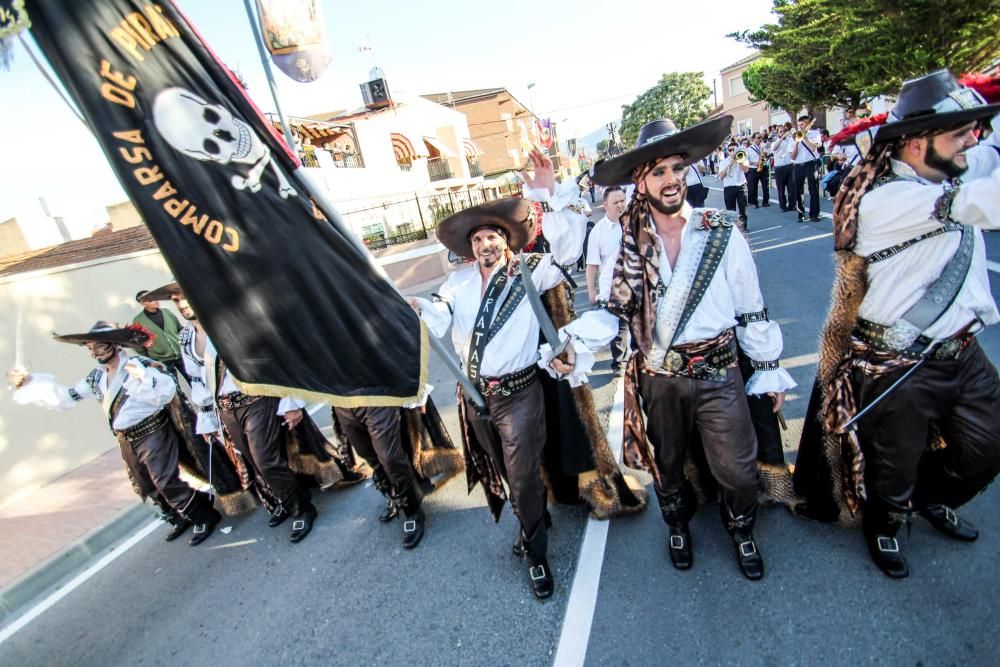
x,y
259,40
330,211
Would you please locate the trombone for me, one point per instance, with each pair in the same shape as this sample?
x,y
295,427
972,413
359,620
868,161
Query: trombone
x,y
801,134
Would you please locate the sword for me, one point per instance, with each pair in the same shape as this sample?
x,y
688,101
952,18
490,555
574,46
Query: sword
x,y
535,300
852,424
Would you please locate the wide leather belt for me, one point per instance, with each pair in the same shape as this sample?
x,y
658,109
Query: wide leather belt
x,y
708,365
145,427
875,335
235,400
506,385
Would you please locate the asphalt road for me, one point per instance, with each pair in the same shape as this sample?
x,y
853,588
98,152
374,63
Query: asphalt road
x,y
349,594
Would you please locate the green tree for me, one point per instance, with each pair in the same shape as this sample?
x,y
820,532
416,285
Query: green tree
x,y
679,96
839,52
602,146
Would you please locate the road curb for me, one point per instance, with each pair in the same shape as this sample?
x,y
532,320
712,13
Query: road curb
x,y
57,569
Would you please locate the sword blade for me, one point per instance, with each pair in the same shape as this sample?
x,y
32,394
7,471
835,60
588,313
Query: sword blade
x,y
535,301
853,423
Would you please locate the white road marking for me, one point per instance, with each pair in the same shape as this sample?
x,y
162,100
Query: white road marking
x,y
74,583
756,242
572,648
766,229
993,266
782,245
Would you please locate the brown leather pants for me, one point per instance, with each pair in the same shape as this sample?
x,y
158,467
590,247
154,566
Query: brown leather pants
x,y
962,396
514,438
374,433
676,406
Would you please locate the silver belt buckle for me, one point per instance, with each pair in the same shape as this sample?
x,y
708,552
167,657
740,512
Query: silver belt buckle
x,y
901,335
673,362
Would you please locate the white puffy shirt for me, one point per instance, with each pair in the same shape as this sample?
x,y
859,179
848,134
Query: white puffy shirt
x,y
515,345
144,397
901,210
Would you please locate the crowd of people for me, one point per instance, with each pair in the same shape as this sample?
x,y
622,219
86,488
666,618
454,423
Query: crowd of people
x,y
676,294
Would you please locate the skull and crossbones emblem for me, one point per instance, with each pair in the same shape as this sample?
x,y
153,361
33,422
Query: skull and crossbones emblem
x,y
209,132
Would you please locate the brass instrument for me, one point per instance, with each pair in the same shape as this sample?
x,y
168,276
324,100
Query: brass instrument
x,y
740,157
801,134
762,162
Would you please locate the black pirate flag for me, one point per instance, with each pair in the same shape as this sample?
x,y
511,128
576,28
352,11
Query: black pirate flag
x,y
289,303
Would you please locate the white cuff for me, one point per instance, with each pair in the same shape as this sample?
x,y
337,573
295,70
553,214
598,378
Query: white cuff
x,y
566,193
766,382
583,365
421,398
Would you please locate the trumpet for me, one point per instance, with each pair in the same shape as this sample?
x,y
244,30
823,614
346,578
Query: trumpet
x,y
740,157
801,134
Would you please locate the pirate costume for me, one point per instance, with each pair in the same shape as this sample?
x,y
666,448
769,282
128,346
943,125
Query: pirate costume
x,y
685,324
910,293
279,464
137,405
496,333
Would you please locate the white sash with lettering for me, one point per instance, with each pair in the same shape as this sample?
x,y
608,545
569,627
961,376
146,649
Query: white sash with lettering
x,y
671,305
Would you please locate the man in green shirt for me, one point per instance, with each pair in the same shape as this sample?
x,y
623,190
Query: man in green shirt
x,y
164,325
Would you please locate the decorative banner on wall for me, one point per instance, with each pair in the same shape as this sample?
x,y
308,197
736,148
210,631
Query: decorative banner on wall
x,y
291,306
545,132
295,35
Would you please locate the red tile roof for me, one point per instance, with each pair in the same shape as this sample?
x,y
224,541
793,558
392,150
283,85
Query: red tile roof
x,y
121,242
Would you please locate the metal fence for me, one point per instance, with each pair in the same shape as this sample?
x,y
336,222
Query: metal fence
x,y
410,219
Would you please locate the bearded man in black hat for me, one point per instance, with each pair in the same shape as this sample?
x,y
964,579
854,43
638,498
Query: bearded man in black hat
x,y
495,333
910,295
687,285
134,392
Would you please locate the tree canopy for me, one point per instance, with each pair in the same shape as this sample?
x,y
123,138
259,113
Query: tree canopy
x,y
679,96
839,52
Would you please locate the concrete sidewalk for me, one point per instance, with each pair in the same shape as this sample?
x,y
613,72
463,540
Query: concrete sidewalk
x,y
53,531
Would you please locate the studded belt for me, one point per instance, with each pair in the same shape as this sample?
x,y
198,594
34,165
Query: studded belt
x,y
235,400
145,427
708,365
506,385
880,337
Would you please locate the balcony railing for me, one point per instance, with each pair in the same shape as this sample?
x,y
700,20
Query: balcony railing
x,y
347,161
474,168
439,169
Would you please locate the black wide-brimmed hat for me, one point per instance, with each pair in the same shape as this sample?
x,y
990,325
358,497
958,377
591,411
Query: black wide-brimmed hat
x,y
514,216
661,138
133,335
933,101
163,293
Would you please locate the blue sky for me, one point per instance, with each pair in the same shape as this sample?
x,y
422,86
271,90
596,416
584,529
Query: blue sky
x,y
586,59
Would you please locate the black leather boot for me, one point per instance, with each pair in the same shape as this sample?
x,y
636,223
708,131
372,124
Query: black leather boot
x,y
945,520
741,530
203,516
880,525
536,550
677,509
178,526
382,484
278,516
518,548
411,502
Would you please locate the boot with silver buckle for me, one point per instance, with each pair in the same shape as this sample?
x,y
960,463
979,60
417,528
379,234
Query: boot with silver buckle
x,y
677,509
946,521
303,515
741,530
278,516
539,573
204,517
411,502
880,525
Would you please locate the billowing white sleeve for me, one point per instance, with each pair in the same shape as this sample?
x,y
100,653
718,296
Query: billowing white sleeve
x,y
42,390
150,385
290,403
760,339
207,420
563,225
436,314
